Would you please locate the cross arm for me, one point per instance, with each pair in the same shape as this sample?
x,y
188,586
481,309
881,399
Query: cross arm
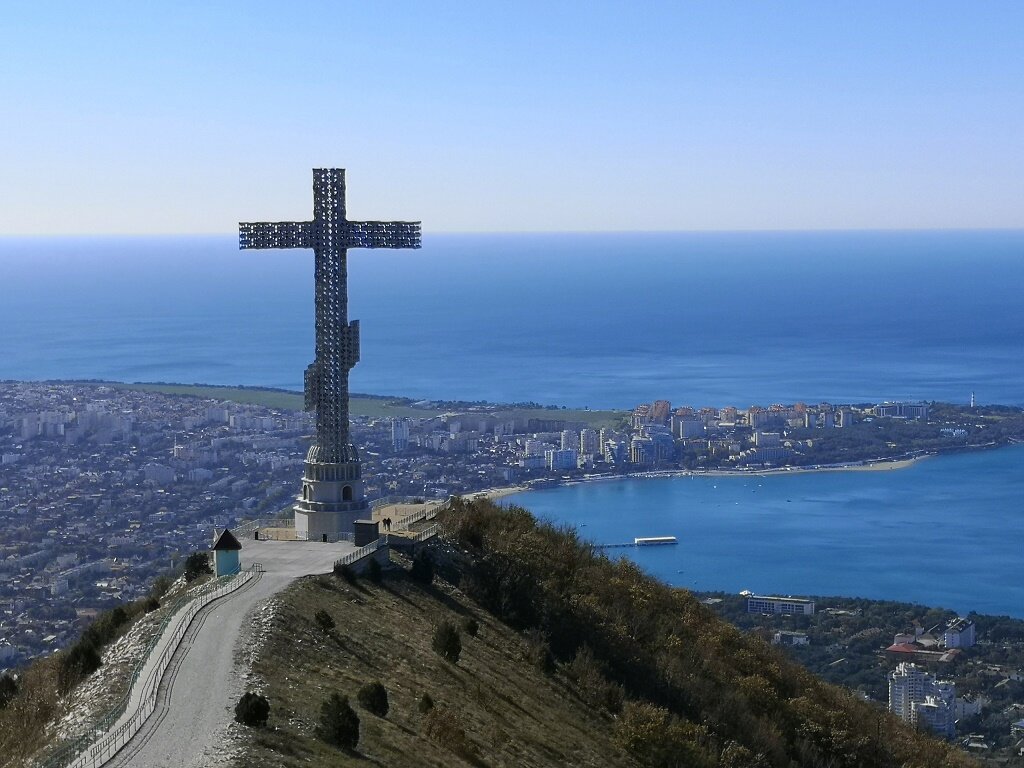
x,y
383,234
277,234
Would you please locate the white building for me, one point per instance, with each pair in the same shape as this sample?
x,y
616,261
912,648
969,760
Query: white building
x,y
399,434
561,459
588,442
570,440
959,634
915,696
784,605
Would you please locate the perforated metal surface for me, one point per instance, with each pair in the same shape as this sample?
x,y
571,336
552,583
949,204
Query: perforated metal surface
x,y
330,235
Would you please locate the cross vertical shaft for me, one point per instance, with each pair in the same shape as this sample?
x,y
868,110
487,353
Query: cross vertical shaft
x,y
332,496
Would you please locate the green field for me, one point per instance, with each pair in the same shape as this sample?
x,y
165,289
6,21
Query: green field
x,y
371,407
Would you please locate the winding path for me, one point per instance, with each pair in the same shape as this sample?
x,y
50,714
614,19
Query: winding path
x,y
198,694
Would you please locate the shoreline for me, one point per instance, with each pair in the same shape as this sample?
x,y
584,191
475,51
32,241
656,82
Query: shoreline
x,y
882,465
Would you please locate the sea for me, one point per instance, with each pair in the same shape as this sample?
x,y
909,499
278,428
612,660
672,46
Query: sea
x,y
608,321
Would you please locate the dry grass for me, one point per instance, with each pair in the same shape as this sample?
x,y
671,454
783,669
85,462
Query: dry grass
x,y
492,709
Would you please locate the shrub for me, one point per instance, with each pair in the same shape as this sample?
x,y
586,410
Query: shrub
x,y
538,652
81,660
8,689
422,569
196,565
443,728
374,698
345,572
252,709
339,724
160,586
447,642
592,685
657,738
470,626
324,620
150,604
425,704
373,570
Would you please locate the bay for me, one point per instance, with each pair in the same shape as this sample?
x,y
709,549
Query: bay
x,y
608,321
947,531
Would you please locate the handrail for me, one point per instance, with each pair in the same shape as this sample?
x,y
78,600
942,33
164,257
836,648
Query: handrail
x,y
359,554
427,532
79,753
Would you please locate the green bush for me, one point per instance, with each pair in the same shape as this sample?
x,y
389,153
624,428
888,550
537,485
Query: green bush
x,y
252,710
8,689
447,642
422,569
160,586
324,620
445,729
470,626
197,564
150,604
339,724
425,704
81,660
373,570
374,698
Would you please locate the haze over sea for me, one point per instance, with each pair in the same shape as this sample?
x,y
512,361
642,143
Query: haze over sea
x,y
607,321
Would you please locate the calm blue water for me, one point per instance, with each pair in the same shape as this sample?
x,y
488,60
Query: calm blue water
x,y
946,532
611,320
604,320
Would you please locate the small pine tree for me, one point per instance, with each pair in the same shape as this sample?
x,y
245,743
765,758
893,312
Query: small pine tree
x,y
422,569
252,710
324,620
339,724
80,661
470,626
197,564
374,698
8,689
447,642
425,704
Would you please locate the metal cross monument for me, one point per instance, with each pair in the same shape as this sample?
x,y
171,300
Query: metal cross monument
x,y
332,489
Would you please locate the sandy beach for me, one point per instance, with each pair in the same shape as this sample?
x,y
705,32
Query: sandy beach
x,y
867,466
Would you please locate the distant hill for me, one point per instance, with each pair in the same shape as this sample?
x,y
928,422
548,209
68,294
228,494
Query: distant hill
x,y
579,660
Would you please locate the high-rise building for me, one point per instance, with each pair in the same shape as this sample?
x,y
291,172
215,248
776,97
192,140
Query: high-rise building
x,y
660,411
399,434
915,696
588,442
570,440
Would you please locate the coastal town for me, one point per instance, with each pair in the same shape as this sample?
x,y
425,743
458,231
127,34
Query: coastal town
x,y
961,677
103,487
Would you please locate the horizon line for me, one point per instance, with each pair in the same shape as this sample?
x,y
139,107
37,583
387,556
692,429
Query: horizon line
x,y
460,232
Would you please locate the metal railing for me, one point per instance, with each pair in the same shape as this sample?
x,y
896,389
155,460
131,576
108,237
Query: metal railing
x,y
427,532
359,554
87,749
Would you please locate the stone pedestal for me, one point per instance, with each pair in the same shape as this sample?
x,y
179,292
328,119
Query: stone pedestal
x,y
331,500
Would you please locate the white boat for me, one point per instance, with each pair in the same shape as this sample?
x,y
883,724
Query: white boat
x,y
647,541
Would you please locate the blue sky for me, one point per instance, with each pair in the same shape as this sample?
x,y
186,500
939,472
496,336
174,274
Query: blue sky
x,y
186,117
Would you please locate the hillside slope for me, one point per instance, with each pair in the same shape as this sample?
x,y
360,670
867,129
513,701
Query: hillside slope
x,y
579,661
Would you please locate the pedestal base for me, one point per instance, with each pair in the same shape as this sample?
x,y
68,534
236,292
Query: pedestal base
x,y
314,526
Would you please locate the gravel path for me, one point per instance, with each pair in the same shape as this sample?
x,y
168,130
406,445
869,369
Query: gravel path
x,y
197,698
